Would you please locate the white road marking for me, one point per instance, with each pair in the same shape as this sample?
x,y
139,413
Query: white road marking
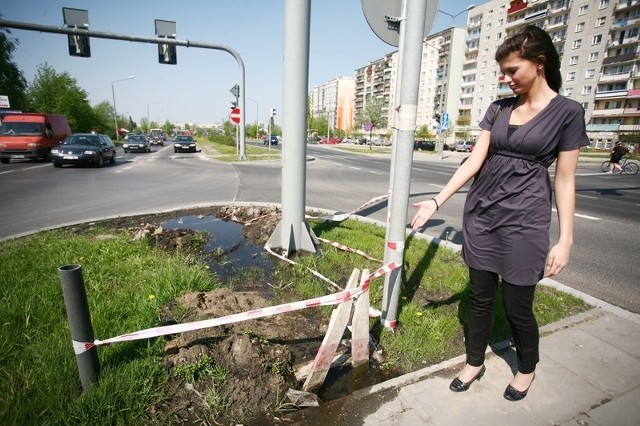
x,y
583,216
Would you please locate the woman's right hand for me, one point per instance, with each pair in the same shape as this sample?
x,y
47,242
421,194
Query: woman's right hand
x,y
426,209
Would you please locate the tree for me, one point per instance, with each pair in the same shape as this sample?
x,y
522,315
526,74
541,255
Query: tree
x,y
54,93
424,132
12,81
373,113
104,118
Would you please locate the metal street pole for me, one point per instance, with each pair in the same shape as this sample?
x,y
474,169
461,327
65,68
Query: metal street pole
x,y
407,114
115,111
148,118
257,108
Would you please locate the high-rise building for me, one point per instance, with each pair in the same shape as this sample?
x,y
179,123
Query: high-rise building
x,y
334,100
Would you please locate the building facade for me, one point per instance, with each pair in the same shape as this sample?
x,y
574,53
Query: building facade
x,y
334,100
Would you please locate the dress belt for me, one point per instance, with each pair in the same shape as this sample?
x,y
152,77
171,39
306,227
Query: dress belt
x,y
520,156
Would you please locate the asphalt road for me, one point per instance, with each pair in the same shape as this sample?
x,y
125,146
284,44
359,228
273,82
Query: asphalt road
x,y
37,196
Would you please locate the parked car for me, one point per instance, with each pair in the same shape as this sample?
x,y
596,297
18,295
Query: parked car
x,y
330,141
137,143
84,148
465,146
447,147
274,140
424,145
349,140
184,143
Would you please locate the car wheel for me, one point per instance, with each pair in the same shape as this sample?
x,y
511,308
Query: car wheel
x,y
113,158
57,164
100,162
5,160
126,152
175,151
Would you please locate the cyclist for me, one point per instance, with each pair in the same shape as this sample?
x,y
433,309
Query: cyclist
x,y
616,155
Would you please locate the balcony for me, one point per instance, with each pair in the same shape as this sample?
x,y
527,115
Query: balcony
x,y
536,15
611,112
611,94
602,127
464,107
626,4
631,112
633,93
614,77
553,25
505,91
516,8
619,58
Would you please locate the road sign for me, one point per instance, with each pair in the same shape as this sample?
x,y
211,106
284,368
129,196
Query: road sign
x,y
235,90
445,121
367,126
235,115
384,16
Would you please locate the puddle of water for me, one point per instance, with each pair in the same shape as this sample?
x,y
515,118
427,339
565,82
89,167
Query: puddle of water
x,y
233,252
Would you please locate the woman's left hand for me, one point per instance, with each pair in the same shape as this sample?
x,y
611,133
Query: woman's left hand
x,y
557,259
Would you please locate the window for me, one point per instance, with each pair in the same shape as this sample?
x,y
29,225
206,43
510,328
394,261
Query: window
x,y
484,64
580,27
603,4
583,10
478,111
488,26
593,56
494,74
585,105
485,52
577,43
573,60
597,39
568,91
586,90
600,21
590,73
500,22
571,76
498,36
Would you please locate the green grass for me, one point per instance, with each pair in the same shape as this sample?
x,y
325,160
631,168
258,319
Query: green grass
x,y
129,281
226,151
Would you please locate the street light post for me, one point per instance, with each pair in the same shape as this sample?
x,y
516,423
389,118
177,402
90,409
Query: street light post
x,y
453,17
257,108
443,95
115,111
149,119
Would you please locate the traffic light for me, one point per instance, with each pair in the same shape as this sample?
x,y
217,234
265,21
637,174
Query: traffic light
x,y
437,117
272,112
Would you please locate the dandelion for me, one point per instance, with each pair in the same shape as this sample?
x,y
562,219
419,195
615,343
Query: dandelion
x,y
152,296
418,314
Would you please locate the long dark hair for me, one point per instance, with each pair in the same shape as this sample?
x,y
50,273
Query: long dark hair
x,y
532,43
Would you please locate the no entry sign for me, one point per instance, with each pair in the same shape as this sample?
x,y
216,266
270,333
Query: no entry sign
x,y
235,115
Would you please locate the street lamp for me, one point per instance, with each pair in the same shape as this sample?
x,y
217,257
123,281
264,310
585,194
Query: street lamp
x,y
453,17
158,116
257,108
115,111
148,119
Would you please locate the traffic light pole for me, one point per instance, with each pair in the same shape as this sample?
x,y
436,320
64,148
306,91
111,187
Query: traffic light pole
x,y
81,32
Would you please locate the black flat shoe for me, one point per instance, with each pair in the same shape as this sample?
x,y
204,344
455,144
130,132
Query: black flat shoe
x,y
511,394
458,386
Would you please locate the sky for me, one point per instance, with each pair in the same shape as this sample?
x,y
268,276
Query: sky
x,y
198,88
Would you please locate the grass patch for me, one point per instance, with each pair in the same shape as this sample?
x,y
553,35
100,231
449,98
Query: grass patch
x,y
129,281
224,150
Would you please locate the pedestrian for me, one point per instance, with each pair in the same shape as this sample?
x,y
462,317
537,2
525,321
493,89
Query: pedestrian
x,y
507,213
616,155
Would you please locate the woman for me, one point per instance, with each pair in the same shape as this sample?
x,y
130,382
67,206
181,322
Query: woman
x,y
507,212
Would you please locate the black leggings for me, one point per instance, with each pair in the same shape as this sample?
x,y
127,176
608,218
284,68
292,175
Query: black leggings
x,y
518,305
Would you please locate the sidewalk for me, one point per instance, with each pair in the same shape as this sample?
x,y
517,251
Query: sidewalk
x,y
589,374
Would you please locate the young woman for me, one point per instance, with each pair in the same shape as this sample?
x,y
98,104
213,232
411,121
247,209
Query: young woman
x,y
507,212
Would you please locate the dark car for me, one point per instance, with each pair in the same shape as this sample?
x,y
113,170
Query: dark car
x,y
137,143
274,140
424,145
84,148
184,143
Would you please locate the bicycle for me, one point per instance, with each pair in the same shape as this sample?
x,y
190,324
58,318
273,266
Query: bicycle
x,y
628,167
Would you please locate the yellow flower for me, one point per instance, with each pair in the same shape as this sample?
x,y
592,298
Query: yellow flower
x,y
152,296
418,314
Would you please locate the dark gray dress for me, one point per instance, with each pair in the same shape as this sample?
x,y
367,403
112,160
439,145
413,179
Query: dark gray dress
x,y
507,212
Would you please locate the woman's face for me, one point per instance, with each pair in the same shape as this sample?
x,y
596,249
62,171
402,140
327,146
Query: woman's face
x,y
521,74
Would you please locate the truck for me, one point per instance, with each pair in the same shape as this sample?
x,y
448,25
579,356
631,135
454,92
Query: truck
x,y
157,136
31,136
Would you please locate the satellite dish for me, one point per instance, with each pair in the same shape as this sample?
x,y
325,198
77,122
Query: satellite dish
x,y
383,17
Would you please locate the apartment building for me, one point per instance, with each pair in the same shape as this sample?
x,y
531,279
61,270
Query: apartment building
x,y
334,100
598,45
442,57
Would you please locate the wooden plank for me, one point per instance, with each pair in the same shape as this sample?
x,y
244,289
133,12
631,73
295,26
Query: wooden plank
x,y
339,320
360,328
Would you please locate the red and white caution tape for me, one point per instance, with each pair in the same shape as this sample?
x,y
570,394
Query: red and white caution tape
x,y
332,299
349,249
343,216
